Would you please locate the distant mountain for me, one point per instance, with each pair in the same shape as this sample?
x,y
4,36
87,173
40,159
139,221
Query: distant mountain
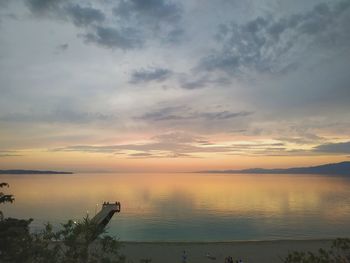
x,y
342,168
31,172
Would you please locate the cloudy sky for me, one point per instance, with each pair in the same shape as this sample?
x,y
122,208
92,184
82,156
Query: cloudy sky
x,y
157,85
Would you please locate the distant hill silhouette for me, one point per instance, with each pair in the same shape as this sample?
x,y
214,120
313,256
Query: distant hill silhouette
x,y
342,168
31,172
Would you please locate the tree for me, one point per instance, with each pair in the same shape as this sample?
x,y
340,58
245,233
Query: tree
x,y
81,242
5,198
15,238
338,253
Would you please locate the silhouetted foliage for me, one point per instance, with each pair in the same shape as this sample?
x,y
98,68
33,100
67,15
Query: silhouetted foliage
x,y
81,242
15,240
5,198
338,253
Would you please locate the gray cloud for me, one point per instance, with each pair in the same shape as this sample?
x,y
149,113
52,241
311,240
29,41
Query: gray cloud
x,y
194,84
140,155
131,24
164,114
81,16
174,36
169,145
62,47
4,3
255,148
258,145
336,148
154,12
160,18
178,137
184,113
267,44
125,38
306,138
164,149
91,21
61,116
7,16
179,144
84,16
43,6
190,83
152,74
9,153
224,115
144,155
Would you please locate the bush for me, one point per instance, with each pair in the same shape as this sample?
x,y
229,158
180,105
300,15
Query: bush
x,y
338,253
4,198
15,240
82,242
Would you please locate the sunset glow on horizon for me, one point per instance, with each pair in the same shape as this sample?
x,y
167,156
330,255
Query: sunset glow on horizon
x,y
173,86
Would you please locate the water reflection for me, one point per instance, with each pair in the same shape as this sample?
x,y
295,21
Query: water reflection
x,y
191,206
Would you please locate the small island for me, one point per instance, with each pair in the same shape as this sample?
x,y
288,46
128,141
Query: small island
x,y
18,171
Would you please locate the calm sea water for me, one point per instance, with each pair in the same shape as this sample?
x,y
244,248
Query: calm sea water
x,y
190,207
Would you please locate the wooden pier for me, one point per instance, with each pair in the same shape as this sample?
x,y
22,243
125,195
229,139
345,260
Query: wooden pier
x,y
103,217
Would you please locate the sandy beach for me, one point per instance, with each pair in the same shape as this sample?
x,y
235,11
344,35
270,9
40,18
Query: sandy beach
x,y
248,251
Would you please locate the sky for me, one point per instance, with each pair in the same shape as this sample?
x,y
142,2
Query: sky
x,y
187,85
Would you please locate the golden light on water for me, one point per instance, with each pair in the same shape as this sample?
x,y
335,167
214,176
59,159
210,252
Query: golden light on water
x,y
176,205
232,194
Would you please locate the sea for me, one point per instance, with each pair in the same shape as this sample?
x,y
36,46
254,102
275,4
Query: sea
x,y
189,206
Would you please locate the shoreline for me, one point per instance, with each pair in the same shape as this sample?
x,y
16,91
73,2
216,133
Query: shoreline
x,y
264,251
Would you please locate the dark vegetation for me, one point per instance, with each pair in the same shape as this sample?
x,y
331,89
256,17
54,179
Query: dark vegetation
x,y
5,198
338,253
82,242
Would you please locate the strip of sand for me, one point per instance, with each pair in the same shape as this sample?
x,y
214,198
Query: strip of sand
x,y
248,251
